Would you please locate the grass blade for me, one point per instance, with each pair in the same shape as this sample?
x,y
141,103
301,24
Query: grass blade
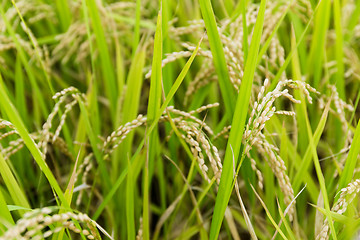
x,y
131,101
217,51
37,51
353,21
269,215
63,13
243,209
137,27
320,177
12,185
236,132
339,52
25,63
153,106
300,114
300,174
130,214
20,91
94,144
266,45
286,224
351,160
245,30
316,55
171,94
68,196
5,215
291,53
15,119
106,63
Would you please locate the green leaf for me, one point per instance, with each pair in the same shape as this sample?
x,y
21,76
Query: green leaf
x,y
237,129
15,119
5,212
339,51
17,194
168,98
153,107
320,176
300,176
15,208
227,90
137,27
94,141
130,206
131,104
25,62
318,43
269,215
351,160
106,63
64,13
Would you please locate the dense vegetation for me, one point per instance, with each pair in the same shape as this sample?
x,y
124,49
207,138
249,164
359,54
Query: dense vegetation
x,y
182,119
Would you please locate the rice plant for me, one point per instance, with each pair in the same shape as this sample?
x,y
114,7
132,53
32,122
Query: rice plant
x,y
179,119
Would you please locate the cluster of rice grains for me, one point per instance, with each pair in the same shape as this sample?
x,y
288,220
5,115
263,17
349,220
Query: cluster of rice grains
x,y
199,142
347,195
191,129
262,111
13,146
7,129
73,46
43,223
34,12
231,34
44,136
